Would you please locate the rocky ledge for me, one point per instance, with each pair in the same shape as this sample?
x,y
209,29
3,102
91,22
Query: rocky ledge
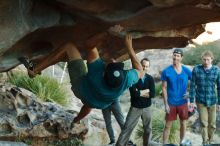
x,y
23,115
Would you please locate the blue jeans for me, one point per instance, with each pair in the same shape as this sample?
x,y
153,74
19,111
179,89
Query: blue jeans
x,y
114,108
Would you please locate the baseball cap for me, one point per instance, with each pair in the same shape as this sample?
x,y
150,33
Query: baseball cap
x,y
114,74
178,51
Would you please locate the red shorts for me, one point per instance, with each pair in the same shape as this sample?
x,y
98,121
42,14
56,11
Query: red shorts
x,y
181,111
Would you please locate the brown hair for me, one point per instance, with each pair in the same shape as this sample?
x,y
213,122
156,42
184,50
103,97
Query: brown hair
x,y
207,53
144,59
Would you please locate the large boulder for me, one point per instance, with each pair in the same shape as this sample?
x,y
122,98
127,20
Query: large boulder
x,y
34,28
22,115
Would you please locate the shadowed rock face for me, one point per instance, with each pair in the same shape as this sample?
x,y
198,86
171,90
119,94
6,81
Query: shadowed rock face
x,y
34,28
22,115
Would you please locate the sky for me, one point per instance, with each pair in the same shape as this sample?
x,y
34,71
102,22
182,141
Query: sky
x,y
211,34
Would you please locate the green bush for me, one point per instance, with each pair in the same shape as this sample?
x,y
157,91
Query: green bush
x,y
193,56
45,88
52,142
158,89
66,142
158,121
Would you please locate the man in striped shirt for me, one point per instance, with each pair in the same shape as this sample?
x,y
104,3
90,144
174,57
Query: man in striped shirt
x,y
205,77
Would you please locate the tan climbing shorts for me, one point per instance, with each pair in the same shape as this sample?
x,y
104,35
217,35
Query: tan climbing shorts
x,y
77,70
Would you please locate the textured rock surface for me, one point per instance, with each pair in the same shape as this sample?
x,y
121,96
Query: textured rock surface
x,y
92,127
22,115
8,143
34,28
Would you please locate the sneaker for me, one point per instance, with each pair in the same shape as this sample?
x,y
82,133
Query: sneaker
x,y
27,63
206,144
130,143
111,143
186,142
30,65
211,142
